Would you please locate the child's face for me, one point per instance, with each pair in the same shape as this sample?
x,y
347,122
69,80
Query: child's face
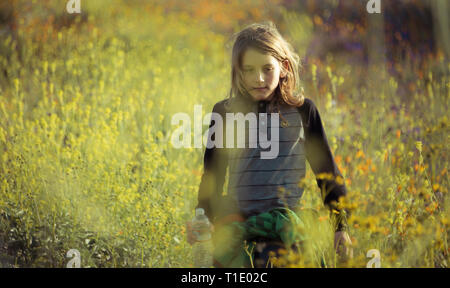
x,y
261,74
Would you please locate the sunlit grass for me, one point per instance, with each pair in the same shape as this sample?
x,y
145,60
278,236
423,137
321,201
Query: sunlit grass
x,y
86,161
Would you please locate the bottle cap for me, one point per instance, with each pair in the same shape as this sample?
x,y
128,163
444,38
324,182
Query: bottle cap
x,y
199,212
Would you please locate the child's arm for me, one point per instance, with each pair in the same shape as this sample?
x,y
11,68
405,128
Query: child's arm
x,y
321,160
214,170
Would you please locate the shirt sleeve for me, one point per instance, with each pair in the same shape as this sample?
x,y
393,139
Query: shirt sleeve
x,y
320,158
213,177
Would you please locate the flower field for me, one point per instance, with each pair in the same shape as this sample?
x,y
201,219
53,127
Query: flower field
x,y
86,160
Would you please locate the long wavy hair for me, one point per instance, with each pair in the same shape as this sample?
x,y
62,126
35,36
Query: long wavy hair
x,y
264,37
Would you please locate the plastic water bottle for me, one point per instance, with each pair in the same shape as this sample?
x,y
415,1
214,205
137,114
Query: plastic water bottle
x,y
203,247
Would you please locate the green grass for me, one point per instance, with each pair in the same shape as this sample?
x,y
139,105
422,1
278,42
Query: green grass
x,y
86,161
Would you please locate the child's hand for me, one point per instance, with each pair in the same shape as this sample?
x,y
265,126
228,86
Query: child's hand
x,y
190,233
343,245
190,236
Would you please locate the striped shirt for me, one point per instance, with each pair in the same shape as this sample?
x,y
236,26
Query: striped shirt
x,y
257,185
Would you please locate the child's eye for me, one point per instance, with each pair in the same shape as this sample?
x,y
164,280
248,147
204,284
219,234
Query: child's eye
x,y
269,69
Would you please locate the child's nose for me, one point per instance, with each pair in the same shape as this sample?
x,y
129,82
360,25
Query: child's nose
x,y
259,78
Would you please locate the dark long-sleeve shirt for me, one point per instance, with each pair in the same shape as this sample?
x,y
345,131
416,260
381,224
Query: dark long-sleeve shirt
x,y
317,152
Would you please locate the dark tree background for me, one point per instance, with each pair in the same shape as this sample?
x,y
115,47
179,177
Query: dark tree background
x,y
407,33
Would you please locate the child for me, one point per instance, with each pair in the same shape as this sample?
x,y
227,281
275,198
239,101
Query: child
x,y
262,193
